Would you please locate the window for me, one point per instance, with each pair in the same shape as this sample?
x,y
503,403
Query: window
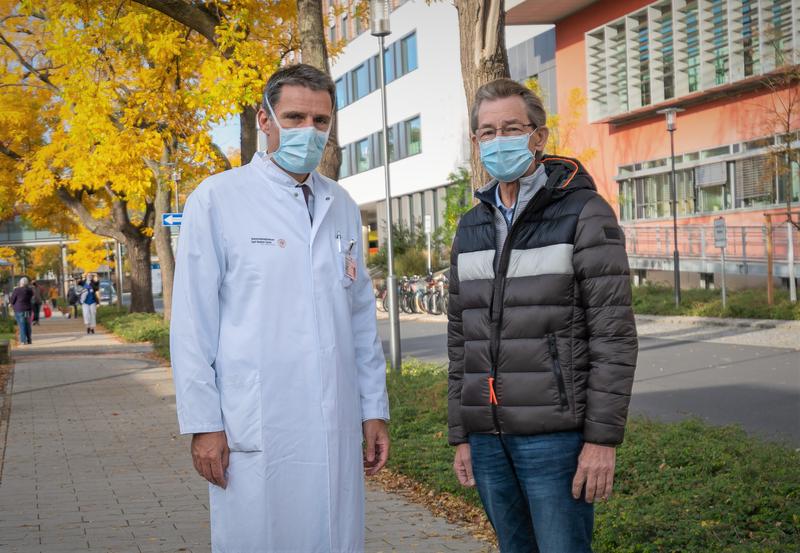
x,y
344,169
754,182
399,58
643,57
409,53
413,136
713,188
392,140
627,196
332,34
358,22
388,64
344,30
362,155
360,81
341,93
789,179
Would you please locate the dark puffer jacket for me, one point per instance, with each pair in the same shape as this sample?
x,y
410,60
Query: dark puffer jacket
x,y
547,341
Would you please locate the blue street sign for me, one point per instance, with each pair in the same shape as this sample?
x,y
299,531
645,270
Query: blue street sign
x,y
171,219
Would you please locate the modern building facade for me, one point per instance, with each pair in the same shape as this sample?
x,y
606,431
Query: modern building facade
x,y
427,110
727,64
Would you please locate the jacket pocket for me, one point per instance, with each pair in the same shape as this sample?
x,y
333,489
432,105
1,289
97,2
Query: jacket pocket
x,y
240,398
556,368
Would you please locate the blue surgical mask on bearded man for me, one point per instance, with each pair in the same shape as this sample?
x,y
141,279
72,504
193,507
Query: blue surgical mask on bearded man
x,y
300,149
506,158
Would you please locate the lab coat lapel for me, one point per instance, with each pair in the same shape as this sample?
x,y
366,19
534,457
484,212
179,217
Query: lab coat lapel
x,y
323,199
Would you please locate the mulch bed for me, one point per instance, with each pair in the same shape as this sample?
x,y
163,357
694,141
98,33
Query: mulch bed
x,y
444,505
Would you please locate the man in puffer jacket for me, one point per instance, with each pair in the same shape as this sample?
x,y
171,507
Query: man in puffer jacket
x,y
541,335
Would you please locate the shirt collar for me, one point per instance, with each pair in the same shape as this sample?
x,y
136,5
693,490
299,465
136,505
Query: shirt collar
x,y
499,202
280,176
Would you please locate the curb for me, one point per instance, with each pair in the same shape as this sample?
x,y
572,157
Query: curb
x,y
761,324
764,324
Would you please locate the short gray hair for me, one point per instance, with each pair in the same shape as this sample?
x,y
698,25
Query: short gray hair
x,y
300,74
23,281
506,88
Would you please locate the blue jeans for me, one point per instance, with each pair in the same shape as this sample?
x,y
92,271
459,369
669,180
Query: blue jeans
x,y
24,324
525,485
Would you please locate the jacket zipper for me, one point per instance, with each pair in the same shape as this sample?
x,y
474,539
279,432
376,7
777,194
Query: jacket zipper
x,y
499,292
562,392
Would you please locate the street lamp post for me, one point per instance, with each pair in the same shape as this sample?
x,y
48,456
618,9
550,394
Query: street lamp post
x,y
670,114
379,27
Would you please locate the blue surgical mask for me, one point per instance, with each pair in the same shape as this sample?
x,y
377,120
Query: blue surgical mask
x,y
300,149
506,158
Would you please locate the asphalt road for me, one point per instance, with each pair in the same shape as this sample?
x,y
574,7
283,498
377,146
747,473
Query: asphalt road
x,y
676,377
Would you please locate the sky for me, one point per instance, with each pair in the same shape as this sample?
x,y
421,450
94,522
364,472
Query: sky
x,y
226,134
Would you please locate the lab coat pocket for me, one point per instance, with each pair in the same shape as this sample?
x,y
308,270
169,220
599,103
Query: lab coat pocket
x,y
240,396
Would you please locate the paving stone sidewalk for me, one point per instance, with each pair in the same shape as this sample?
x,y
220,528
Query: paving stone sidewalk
x,y
93,461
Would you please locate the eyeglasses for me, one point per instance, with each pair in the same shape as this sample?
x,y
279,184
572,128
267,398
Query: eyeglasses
x,y
489,133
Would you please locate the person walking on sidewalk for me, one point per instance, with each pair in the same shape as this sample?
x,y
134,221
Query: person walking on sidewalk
x,y
37,301
278,367
89,298
541,336
22,302
73,298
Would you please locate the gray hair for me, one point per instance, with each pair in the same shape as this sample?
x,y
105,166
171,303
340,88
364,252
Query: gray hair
x,y
300,74
506,88
23,282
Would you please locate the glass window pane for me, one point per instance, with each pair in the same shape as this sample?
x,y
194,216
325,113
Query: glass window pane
x,y
362,155
344,28
392,148
341,93
409,53
361,81
344,170
413,134
388,60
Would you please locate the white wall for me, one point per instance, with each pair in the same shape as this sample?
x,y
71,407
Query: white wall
x,y
434,91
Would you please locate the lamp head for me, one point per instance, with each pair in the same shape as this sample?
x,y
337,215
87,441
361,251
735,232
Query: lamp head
x,y
379,17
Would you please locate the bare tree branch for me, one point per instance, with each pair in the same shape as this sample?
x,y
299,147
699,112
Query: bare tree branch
x,y
27,65
196,17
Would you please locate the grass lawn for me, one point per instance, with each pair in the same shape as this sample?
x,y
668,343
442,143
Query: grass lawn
x,y
680,487
744,304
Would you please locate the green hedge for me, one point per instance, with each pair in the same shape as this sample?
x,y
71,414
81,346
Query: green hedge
x,y
136,327
680,487
744,304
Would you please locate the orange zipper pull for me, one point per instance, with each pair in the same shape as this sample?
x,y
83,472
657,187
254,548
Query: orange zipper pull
x,y
492,395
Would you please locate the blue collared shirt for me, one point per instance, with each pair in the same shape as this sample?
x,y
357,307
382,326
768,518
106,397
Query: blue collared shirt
x,y
508,212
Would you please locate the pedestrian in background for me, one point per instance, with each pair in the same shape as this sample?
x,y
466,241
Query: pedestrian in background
x,y
73,298
37,301
89,298
22,302
541,335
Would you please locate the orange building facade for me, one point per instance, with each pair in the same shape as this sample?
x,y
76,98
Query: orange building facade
x,y
727,65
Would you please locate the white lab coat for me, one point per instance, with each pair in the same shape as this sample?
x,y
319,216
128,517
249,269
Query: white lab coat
x,y
273,342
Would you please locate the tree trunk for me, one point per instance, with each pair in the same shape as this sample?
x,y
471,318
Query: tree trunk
x,y
163,240
140,281
481,25
248,137
314,52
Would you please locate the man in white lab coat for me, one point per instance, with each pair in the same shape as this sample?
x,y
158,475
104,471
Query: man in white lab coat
x,y
279,371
